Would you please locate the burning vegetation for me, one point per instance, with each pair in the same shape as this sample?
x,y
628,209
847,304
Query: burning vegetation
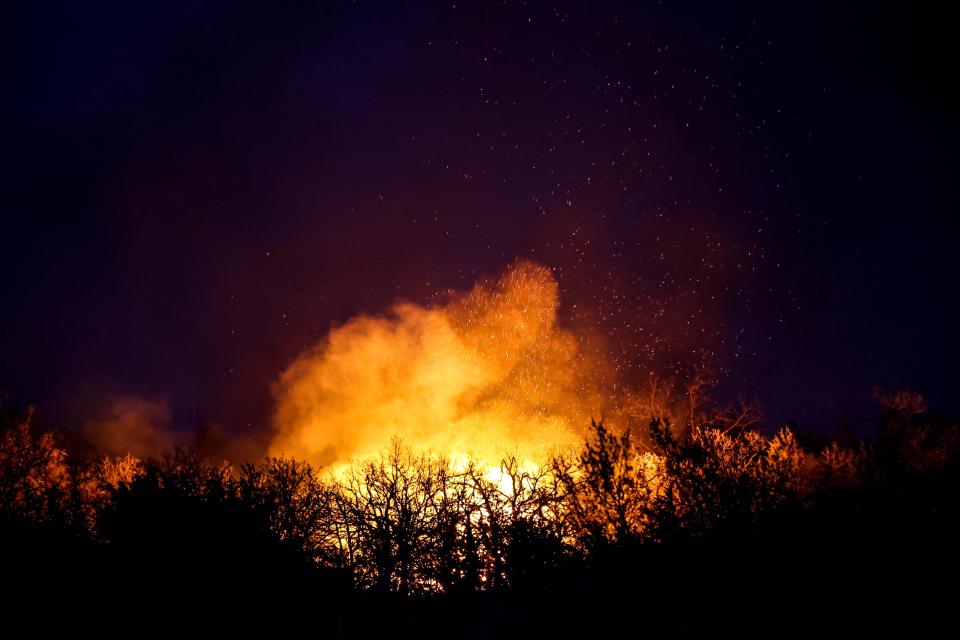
x,y
450,450
410,522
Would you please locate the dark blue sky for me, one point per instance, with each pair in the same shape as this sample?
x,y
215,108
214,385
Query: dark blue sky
x,y
196,191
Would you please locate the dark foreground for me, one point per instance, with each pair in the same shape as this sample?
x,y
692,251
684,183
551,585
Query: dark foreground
x,y
755,537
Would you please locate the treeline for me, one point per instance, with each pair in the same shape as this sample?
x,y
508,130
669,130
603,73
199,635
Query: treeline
x,y
628,513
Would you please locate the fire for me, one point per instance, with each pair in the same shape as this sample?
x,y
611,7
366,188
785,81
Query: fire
x,y
489,373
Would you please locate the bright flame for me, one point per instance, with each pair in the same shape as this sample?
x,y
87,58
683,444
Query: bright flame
x,y
488,374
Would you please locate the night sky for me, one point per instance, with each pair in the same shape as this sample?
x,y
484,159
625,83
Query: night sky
x,y
196,191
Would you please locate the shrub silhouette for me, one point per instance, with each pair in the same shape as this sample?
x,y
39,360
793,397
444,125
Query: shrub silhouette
x,y
715,478
609,489
35,479
712,509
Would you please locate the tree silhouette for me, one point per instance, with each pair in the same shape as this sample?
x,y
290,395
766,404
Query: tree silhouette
x,y
710,511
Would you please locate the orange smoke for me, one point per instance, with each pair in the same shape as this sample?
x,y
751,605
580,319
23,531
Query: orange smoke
x,y
489,373
133,426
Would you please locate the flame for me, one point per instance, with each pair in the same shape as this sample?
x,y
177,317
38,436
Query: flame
x,y
489,373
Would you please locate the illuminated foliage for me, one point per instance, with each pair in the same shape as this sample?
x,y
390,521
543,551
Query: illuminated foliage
x,y
610,489
714,477
37,482
406,522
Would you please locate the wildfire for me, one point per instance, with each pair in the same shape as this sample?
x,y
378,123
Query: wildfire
x,y
487,374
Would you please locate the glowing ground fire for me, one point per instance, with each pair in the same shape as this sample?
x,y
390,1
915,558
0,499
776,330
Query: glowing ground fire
x,y
489,373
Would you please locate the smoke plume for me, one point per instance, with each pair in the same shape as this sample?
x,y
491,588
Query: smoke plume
x,y
133,425
487,373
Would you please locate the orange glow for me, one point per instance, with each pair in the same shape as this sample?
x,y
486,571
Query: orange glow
x,y
488,374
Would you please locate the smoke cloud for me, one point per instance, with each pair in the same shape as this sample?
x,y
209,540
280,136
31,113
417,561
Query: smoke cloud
x,y
133,425
489,372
